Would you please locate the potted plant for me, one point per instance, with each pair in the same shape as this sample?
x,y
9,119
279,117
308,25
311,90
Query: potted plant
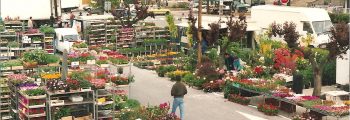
x,y
36,40
73,84
56,86
268,109
98,83
52,60
36,93
84,85
120,70
34,57
63,113
17,79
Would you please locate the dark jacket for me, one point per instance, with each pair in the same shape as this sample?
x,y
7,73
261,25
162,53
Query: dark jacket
x,y
178,90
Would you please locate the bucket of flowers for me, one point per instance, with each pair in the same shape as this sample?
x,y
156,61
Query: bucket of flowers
x,y
268,109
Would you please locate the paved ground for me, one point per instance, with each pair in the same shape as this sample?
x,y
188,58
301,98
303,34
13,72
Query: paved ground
x,y
150,89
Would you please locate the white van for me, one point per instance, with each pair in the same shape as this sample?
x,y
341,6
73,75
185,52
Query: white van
x,y
65,38
315,21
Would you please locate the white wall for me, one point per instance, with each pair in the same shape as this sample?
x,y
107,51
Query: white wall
x,y
38,9
342,74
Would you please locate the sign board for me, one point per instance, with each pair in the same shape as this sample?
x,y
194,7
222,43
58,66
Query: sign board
x,y
74,64
108,5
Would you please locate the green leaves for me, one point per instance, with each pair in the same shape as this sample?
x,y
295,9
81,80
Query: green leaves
x,y
172,26
35,92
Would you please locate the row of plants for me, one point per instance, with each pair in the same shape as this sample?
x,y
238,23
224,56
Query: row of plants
x,y
41,57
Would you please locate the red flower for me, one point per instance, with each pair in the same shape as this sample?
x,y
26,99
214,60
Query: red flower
x,y
258,70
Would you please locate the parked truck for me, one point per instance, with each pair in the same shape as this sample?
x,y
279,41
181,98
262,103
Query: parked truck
x,y
39,10
314,21
65,38
68,5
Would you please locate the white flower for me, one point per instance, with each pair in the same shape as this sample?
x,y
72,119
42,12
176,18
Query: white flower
x,y
211,81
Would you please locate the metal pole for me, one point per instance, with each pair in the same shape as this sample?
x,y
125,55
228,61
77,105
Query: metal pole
x,y
199,44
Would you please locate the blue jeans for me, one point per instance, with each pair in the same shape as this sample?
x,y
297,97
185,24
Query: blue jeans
x,y
178,102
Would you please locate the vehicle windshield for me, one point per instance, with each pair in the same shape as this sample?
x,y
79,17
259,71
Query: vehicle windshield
x,y
322,26
70,37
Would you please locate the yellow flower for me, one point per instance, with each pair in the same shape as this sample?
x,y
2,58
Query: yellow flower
x,y
347,102
51,75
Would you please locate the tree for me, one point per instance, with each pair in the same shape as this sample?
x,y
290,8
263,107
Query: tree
x,y
171,25
319,57
237,30
213,34
141,13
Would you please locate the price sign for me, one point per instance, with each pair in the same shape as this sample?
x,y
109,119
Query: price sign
x,y
74,64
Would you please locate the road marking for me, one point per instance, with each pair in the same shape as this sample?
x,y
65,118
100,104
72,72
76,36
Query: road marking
x,y
250,117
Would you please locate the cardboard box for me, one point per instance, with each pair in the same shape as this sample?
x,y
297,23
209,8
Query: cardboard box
x,y
67,118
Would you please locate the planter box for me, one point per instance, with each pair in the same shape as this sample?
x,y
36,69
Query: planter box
x,y
17,67
104,65
272,101
5,68
32,97
57,102
287,107
91,62
67,118
85,89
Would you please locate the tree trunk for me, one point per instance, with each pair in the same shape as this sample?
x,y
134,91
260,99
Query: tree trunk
x,y
199,43
208,9
317,80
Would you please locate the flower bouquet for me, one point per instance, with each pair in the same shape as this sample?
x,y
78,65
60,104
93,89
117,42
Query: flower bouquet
x,y
268,109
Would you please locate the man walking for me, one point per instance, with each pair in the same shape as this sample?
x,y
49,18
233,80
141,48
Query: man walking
x,y
178,91
71,19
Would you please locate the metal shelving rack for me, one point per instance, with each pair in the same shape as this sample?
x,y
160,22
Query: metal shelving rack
x,y
23,114
88,101
14,101
4,100
100,93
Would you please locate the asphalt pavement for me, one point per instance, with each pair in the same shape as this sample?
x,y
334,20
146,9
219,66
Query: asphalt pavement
x,y
150,89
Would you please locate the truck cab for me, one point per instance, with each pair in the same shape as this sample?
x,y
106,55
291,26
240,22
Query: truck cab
x,y
65,38
313,21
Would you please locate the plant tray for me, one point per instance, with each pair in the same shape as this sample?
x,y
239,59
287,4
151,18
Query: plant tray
x,y
85,89
76,98
5,68
57,102
17,67
33,97
104,65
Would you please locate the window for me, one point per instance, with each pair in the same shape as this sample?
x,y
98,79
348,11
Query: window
x,y
307,27
322,26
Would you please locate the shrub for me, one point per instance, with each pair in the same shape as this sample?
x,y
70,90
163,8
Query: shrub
x,y
338,18
329,73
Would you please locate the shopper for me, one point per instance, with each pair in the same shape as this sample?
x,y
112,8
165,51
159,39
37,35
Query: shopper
x,y
229,62
236,63
52,20
178,91
30,23
71,19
